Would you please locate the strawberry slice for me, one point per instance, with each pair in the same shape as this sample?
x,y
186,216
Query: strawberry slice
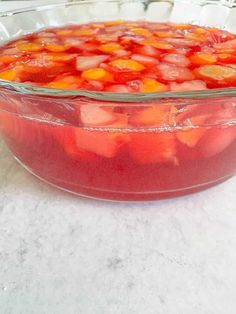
x,y
171,73
177,59
216,141
147,51
85,63
146,148
181,42
188,86
146,60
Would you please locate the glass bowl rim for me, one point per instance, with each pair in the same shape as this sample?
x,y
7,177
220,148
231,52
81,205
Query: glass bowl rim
x,y
23,88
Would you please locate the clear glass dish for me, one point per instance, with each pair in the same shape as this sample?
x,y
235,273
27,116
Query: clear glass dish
x,y
43,130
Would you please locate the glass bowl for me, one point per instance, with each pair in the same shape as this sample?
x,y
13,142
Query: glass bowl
x,y
43,130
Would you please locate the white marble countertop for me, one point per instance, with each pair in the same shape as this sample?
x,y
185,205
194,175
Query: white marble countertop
x,y
64,254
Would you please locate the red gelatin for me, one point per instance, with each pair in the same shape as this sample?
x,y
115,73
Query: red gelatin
x,y
115,149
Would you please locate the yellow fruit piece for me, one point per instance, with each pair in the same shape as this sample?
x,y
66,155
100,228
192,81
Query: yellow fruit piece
x,y
196,38
181,26
157,44
191,137
152,86
83,32
200,31
97,74
124,64
68,82
141,31
202,58
113,23
57,48
8,75
111,47
25,46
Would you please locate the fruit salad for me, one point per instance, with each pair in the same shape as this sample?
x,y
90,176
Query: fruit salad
x,y
129,150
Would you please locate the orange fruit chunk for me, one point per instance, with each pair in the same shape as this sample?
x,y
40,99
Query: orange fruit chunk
x,y
29,46
203,58
68,82
57,48
97,74
130,65
9,75
151,86
157,44
152,116
110,48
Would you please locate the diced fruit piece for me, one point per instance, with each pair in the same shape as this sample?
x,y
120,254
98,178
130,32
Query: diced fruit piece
x,y
188,86
216,140
226,58
67,82
148,51
152,116
93,115
200,58
152,86
118,88
88,62
157,44
148,148
67,138
98,74
104,144
226,46
27,46
216,73
56,56
9,75
127,65
83,32
146,60
176,59
181,42
110,48
172,73
191,136
57,48
141,31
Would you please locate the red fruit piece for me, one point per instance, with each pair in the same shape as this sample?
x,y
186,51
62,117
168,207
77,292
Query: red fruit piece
x,y
216,140
118,88
146,60
93,116
147,51
188,86
171,73
148,148
105,144
227,46
85,63
177,59
181,42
